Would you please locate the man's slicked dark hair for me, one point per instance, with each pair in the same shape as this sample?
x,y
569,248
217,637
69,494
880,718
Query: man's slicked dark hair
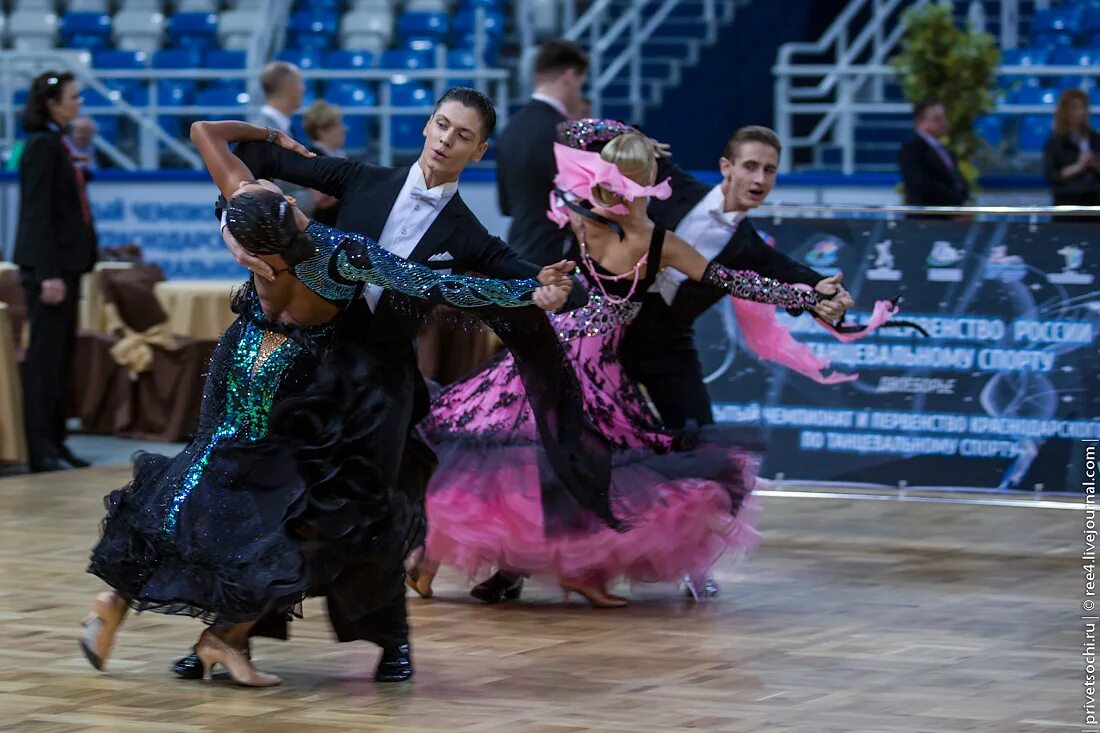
x,y
558,56
476,101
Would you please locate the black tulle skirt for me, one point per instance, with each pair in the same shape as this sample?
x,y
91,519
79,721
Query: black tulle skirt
x,y
273,520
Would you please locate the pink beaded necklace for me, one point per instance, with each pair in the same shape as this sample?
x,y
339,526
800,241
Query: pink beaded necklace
x,y
598,278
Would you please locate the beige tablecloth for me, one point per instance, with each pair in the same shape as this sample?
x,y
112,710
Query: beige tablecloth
x,y
198,308
13,447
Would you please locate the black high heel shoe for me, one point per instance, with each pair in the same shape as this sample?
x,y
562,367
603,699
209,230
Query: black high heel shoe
x,y
499,588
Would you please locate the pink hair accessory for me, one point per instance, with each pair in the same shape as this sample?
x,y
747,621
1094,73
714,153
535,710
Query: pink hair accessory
x,y
579,171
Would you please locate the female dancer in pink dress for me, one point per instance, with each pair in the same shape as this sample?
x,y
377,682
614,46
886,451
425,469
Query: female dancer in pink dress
x,y
683,498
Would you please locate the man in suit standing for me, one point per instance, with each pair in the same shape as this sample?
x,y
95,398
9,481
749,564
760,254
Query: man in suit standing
x,y
284,89
417,213
929,171
525,152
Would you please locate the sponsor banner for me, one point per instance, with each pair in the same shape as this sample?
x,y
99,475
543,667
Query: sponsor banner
x,y
994,398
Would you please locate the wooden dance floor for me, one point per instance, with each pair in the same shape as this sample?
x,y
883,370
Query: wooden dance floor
x,y
852,617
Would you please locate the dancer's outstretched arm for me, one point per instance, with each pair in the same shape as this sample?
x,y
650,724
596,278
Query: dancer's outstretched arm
x,y
745,284
228,171
360,260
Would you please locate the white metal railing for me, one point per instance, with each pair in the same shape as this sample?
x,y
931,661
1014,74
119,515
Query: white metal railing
x,y
840,73
838,121
606,24
17,68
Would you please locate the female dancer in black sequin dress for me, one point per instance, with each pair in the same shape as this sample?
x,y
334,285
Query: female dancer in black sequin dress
x,y
282,489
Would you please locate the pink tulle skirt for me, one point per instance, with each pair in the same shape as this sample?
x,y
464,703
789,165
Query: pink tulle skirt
x,y
484,511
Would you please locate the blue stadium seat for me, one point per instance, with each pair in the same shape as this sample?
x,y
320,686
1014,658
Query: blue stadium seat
x,y
1034,95
1074,57
431,26
494,5
1057,19
1033,133
347,93
1024,56
466,23
93,98
222,59
348,60
312,30
1051,40
492,47
1094,97
91,31
108,127
407,131
405,59
991,129
119,59
221,96
174,93
196,31
463,59
177,58
319,6
424,45
304,58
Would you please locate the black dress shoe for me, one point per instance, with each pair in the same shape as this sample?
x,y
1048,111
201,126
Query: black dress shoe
x,y
395,665
45,465
188,668
500,587
72,459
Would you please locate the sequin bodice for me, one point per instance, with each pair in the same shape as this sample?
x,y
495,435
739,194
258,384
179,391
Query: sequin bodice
x,y
252,365
344,261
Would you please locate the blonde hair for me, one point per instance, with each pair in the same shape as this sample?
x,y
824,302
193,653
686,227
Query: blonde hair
x,y
633,155
319,117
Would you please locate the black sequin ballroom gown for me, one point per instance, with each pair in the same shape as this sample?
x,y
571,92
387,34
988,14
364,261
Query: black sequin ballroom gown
x,y
280,492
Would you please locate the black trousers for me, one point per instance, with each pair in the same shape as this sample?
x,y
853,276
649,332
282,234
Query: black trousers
x,y
675,384
48,366
363,603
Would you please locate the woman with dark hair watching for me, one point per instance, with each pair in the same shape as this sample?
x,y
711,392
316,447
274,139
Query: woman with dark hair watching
x,y
1070,157
289,482
55,244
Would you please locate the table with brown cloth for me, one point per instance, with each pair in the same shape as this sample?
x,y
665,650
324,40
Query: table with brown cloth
x,y
199,309
13,447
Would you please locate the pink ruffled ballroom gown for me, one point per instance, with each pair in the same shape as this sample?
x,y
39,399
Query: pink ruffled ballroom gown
x,y
686,497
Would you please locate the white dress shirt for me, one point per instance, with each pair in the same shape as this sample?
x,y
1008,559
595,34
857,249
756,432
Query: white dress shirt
x,y
282,122
553,102
414,211
707,229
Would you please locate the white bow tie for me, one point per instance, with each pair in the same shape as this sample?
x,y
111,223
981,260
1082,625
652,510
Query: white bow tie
x,y
430,197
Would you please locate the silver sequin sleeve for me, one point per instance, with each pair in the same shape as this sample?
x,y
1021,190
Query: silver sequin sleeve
x,y
749,285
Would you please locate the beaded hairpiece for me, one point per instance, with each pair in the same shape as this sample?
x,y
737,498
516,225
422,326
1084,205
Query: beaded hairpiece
x,y
590,133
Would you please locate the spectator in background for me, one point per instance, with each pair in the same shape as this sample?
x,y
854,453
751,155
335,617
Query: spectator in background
x,y
1070,155
284,89
929,170
324,125
55,244
525,152
82,134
